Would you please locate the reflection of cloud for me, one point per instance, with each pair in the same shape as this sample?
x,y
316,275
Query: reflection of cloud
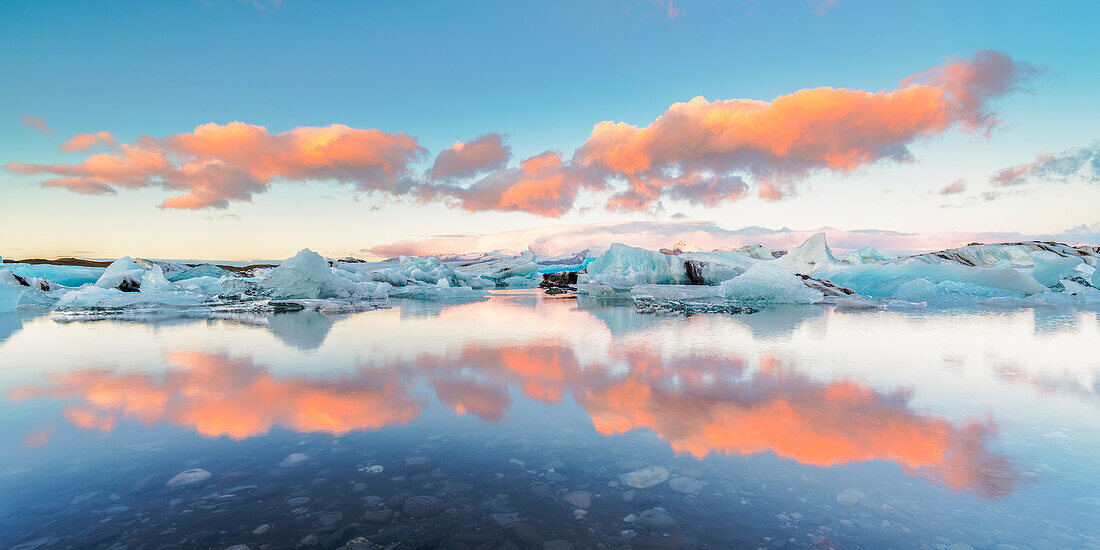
x,y
38,438
219,395
787,414
703,404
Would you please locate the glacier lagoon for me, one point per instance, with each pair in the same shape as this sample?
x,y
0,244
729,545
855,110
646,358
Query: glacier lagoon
x,y
517,419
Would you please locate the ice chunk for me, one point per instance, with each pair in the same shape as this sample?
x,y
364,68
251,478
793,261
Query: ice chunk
x,y
498,269
1081,293
65,275
812,255
570,262
204,270
676,292
883,280
917,290
10,293
766,282
866,255
153,280
624,266
201,285
714,267
307,275
520,282
120,270
1049,268
858,302
85,297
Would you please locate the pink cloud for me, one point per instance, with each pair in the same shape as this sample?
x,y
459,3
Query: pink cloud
x,y
81,143
1075,164
216,163
36,123
486,152
954,188
822,6
705,236
671,11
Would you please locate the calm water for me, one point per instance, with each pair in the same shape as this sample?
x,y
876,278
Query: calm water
x,y
516,417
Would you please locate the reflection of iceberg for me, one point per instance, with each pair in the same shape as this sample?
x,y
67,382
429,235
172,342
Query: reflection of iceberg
x,y
619,320
9,324
779,320
431,308
304,330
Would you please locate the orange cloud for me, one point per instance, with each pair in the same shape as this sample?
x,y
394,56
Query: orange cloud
x,y
462,160
543,185
700,151
779,142
84,142
216,163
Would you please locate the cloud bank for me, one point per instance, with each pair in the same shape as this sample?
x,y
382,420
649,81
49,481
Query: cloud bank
x,y
705,236
700,151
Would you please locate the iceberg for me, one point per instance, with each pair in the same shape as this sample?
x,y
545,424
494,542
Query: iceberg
x,y
624,266
66,275
812,255
884,280
123,272
766,282
307,275
204,270
1048,267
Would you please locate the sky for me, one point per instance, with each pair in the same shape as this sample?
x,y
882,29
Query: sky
x,y
248,130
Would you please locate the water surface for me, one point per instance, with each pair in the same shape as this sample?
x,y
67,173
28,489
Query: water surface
x,y
519,415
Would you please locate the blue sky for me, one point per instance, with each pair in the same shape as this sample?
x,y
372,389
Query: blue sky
x,y
541,73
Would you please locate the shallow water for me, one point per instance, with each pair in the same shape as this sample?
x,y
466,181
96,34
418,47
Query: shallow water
x,y
519,416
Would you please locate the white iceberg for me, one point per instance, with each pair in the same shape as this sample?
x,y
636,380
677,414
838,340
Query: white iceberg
x,y
812,255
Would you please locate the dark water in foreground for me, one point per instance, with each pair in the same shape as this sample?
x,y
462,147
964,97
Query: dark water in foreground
x,y
510,423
